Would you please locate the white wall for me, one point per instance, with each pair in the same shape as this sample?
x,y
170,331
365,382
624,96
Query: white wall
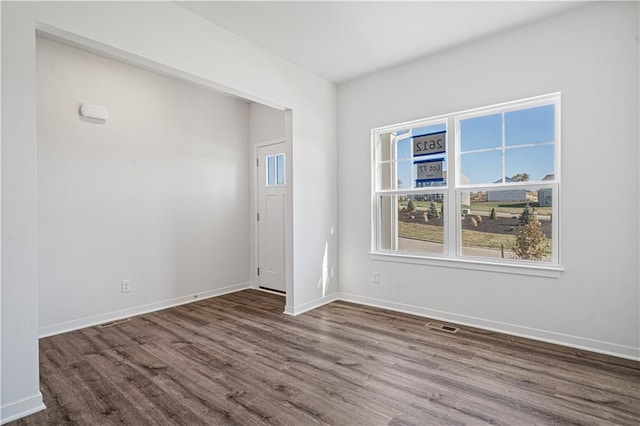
x,y
591,56
166,36
265,123
157,194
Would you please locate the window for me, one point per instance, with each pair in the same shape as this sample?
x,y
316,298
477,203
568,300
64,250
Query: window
x,y
480,186
275,170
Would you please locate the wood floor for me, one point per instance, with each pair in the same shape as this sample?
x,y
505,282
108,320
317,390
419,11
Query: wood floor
x,y
237,359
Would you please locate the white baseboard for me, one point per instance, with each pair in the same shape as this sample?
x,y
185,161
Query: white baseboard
x,y
67,326
305,307
606,348
22,408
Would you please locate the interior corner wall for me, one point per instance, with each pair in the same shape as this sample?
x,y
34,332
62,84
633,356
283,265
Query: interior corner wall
x,y
151,196
165,36
589,54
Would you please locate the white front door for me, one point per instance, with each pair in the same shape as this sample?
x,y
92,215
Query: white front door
x,y
272,189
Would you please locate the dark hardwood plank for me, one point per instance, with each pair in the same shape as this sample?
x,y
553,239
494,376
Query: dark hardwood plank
x,y
237,359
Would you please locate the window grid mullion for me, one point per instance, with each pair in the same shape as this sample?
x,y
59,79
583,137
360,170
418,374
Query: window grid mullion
x,y
504,152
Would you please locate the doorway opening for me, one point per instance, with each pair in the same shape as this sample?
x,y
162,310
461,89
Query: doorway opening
x,y
271,195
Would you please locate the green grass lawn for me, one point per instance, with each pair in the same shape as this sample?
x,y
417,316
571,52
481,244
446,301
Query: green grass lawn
x,y
507,207
421,232
470,238
418,203
486,240
500,206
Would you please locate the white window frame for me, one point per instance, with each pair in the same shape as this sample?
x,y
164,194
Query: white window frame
x,y
452,251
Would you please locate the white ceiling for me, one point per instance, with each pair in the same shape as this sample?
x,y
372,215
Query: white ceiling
x,y
343,40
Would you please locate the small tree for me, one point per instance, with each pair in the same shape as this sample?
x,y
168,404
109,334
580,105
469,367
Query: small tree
x,y
526,215
520,177
433,211
531,243
492,215
411,206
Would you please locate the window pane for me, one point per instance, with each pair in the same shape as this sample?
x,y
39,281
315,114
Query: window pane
x,y
280,168
501,224
481,167
481,132
531,125
271,170
534,163
404,179
428,173
413,223
404,149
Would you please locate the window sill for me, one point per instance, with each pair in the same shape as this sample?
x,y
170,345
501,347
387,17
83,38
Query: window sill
x,y
547,271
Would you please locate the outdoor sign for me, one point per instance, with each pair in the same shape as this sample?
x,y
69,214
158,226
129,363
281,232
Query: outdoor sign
x,y
430,170
433,143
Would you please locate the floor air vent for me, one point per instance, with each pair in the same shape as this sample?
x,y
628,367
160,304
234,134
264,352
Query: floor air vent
x,y
442,327
109,324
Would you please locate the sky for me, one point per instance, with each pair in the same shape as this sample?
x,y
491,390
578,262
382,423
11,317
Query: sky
x,y
528,126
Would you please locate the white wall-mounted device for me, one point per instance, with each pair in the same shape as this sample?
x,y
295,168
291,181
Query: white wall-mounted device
x,y
95,112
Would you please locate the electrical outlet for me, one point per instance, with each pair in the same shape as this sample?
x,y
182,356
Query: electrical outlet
x,y
125,286
375,277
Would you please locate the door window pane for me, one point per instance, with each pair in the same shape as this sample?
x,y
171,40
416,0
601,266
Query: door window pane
x,y
280,169
276,170
271,170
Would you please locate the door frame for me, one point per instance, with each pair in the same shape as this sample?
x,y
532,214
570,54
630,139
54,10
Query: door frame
x,y
256,204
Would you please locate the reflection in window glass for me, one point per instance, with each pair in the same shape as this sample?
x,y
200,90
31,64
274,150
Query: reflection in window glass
x,y
412,223
509,224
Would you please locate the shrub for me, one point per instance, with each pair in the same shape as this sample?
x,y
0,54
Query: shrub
x,y
411,206
433,211
492,215
531,243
